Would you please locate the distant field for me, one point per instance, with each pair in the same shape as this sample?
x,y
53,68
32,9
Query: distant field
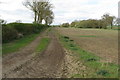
x,y
103,43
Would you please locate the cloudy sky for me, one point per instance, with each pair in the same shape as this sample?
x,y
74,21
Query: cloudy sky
x,y
64,10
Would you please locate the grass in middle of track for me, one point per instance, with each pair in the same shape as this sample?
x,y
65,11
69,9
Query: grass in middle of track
x,y
43,44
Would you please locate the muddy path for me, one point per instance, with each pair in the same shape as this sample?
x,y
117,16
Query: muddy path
x,y
13,60
25,64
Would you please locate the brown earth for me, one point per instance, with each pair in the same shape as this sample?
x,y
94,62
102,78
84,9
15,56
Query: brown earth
x,y
104,44
25,64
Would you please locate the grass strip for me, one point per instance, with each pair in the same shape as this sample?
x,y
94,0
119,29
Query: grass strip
x,y
88,36
17,44
43,44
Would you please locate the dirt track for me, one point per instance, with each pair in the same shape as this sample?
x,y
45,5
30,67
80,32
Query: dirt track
x,y
24,63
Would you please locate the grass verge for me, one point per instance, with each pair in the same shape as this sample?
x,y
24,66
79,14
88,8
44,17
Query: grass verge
x,y
97,68
88,36
43,44
17,44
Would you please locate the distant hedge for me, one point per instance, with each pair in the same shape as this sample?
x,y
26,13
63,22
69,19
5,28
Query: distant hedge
x,y
10,31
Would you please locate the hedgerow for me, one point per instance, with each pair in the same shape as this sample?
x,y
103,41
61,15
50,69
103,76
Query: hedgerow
x,y
10,31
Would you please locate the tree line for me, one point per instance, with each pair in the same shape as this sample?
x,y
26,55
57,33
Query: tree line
x,y
105,21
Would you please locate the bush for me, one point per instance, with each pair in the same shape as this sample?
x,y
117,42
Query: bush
x,y
8,34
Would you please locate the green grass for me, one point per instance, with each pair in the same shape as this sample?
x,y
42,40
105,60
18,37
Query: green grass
x,y
49,29
113,28
0,50
98,69
43,44
18,44
88,36
0,41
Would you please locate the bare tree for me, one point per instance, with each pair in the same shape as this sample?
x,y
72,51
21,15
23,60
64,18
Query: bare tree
x,y
2,21
42,10
32,5
118,21
49,16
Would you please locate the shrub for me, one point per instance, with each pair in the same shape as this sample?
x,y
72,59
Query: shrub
x,y
8,34
66,37
102,72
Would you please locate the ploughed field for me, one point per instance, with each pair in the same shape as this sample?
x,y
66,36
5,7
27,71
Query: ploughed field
x,y
102,43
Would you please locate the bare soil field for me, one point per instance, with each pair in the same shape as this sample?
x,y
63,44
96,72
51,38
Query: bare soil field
x,y
103,43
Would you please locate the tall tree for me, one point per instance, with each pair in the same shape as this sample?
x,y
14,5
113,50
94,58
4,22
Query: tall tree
x,y
49,16
42,10
32,5
108,19
45,12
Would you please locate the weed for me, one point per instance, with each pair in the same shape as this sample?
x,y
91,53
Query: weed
x,y
71,45
71,40
92,59
66,37
102,72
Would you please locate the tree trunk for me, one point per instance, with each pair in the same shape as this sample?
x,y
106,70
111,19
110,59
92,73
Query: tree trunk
x,y
46,22
35,19
39,20
111,25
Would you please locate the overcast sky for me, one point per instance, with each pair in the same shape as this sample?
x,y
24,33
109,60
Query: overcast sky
x,y
64,10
